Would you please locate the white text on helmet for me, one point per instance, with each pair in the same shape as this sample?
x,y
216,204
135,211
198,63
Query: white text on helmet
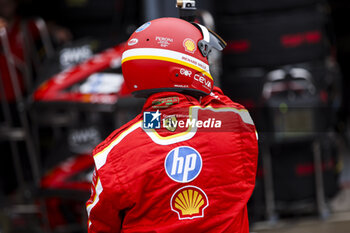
x,y
164,41
202,80
185,72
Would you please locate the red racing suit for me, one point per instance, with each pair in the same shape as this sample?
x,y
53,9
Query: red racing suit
x,y
184,165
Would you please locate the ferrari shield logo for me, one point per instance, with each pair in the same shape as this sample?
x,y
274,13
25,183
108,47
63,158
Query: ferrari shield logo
x,y
170,123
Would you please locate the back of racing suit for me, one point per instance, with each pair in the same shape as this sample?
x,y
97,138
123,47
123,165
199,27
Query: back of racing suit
x,y
182,165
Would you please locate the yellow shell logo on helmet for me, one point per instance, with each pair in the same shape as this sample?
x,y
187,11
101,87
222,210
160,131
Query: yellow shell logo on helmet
x,y
189,202
189,45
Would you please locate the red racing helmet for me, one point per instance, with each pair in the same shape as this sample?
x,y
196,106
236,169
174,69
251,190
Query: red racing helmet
x,y
169,54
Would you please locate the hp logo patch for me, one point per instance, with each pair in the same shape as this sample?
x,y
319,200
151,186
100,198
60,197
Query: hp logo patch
x,y
183,164
151,120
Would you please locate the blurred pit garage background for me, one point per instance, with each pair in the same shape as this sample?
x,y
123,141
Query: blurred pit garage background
x,y
62,92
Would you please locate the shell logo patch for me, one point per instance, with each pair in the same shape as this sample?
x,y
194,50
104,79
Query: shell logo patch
x,y
189,202
189,45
